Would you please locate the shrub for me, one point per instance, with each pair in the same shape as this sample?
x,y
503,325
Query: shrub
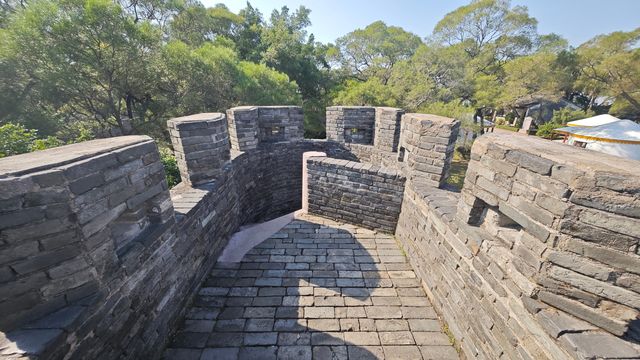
x,y
546,130
46,143
565,115
16,139
170,167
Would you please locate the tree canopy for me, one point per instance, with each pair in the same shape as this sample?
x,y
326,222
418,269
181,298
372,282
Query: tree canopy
x,y
78,69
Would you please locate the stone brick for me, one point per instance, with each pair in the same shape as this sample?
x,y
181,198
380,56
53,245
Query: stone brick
x,y
583,312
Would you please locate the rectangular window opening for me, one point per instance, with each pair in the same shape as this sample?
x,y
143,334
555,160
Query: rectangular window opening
x,y
355,135
401,154
580,144
272,133
500,225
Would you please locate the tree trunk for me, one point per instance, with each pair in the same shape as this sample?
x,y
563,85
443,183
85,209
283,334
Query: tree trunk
x,y
631,100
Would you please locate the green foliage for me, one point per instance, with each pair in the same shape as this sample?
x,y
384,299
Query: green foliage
x,y
610,65
546,130
80,69
196,24
261,85
46,143
450,109
170,164
488,26
374,50
289,49
369,93
508,128
197,80
79,59
529,79
564,115
16,139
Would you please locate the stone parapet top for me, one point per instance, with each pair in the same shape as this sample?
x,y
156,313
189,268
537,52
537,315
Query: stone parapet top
x,y
350,107
186,198
189,120
251,107
581,159
48,159
413,117
357,166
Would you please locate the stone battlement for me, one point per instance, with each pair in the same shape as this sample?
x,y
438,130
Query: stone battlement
x,y
537,257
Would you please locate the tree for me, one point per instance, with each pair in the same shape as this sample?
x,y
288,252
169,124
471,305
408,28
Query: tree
x,y
249,39
79,61
16,139
368,93
610,65
197,80
196,24
433,74
530,80
490,33
488,25
289,49
374,51
261,85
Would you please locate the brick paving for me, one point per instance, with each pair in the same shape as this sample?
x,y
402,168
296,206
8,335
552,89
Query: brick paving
x,y
315,290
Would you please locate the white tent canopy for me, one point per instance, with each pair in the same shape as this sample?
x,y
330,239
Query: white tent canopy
x,y
594,121
620,138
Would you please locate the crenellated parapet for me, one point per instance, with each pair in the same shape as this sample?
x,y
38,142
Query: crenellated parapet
x,y
540,249
251,126
387,128
201,146
351,124
537,257
421,145
426,146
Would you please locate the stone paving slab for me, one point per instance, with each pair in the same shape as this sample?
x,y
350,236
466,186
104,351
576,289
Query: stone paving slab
x,y
316,289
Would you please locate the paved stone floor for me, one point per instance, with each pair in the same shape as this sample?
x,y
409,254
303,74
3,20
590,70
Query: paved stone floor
x,y
316,289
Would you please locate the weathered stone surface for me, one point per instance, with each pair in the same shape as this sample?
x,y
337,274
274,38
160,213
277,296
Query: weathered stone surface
x,y
329,323
515,232
344,190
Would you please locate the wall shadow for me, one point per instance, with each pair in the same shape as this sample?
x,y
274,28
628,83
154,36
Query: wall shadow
x,y
268,305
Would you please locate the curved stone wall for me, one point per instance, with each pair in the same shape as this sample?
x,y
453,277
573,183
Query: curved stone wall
x,y
537,257
116,256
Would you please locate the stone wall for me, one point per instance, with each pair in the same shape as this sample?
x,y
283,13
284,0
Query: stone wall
x,y
419,145
350,124
357,193
82,225
387,128
99,258
201,146
426,146
250,126
530,251
537,257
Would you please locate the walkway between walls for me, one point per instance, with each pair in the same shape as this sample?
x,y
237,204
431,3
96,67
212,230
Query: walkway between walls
x,y
315,289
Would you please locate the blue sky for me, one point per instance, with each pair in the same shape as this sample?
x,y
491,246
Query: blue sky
x,y
576,20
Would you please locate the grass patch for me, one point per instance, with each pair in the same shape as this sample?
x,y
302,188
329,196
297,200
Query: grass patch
x,y
457,172
508,128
